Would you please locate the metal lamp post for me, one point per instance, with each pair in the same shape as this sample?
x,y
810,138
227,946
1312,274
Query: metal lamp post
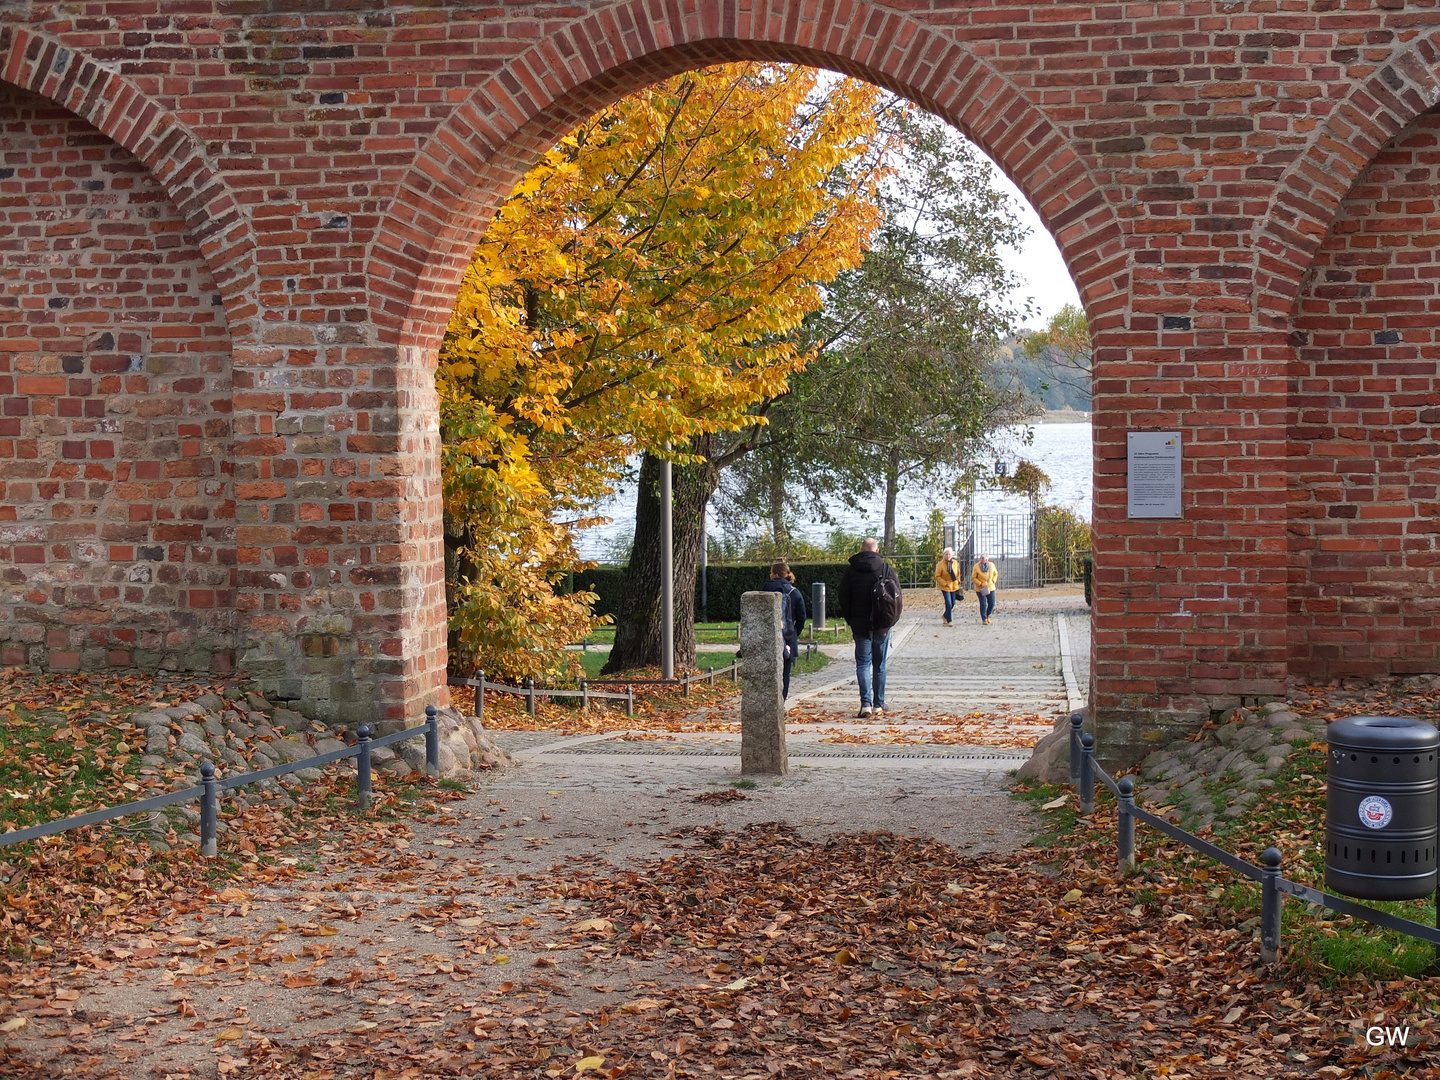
x,y
667,575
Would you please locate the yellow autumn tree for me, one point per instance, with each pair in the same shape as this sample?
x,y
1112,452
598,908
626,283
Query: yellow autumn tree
x,y
639,290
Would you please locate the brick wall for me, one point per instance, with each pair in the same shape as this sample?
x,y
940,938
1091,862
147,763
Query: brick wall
x,y
334,165
116,520
1365,395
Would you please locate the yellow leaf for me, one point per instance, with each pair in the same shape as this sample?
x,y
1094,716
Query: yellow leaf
x,y
13,1025
585,1064
230,1034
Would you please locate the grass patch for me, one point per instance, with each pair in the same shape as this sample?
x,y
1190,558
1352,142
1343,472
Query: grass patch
x,y
726,634
1320,945
1323,944
744,785
1060,821
808,665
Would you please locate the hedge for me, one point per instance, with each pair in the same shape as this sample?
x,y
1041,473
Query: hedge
x,y
726,583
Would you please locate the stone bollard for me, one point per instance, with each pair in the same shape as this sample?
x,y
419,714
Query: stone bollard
x,y
762,708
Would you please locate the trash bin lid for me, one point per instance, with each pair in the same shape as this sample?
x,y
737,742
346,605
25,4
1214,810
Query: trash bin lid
x,y
1383,733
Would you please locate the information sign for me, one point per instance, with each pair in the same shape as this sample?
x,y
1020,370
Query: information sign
x,y
1152,484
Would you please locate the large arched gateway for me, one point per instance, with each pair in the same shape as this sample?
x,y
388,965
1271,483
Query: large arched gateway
x,y
230,236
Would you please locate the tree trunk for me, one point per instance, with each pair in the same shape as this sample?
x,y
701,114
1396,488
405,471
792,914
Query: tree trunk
x,y
892,489
637,623
779,531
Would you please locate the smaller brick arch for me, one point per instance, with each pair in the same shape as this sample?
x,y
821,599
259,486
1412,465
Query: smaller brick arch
x,y
421,250
1309,196
1363,539
173,154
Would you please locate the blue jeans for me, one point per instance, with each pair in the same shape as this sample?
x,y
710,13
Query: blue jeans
x,y
987,603
871,652
792,649
949,604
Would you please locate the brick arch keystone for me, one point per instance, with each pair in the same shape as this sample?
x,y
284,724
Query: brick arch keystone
x,y
427,238
1310,193
172,153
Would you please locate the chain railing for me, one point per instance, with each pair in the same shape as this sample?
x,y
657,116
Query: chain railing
x,y
531,693
210,786
1274,886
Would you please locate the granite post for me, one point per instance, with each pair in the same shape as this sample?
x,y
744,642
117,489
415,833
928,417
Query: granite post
x,y
762,705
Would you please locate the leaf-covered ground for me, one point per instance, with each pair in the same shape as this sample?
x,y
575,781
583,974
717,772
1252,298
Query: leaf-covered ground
x,y
744,953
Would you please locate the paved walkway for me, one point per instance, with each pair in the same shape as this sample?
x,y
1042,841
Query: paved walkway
x,y
1014,664
912,771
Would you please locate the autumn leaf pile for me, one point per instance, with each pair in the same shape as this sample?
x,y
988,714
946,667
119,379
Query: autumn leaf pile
x,y
875,956
758,953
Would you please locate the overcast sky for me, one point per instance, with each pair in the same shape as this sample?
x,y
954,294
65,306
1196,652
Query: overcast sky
x,y
1047,281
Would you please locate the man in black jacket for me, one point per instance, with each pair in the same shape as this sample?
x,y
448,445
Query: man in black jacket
x,y
872,644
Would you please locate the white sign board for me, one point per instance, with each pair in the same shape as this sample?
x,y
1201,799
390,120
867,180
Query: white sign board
x,y
1152,481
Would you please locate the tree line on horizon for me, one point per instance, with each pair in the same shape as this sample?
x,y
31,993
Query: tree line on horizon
x,y
789,285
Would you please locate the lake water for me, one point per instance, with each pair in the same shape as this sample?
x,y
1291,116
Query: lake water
x,y
1062,451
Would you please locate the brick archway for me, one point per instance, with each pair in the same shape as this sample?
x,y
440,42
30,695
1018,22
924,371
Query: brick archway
x,y
1309,195
175,156
487,144
1190,160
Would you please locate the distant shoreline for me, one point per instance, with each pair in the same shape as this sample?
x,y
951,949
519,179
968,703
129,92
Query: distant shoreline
x,y
1064,416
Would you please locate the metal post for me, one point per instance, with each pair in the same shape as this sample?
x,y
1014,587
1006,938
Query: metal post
x,y
704,570
817,607
432,742
1127,825
1087,774
362,769
530,695
667,575
209,809
584,696
1271,902
685,682
1075,721
629,700
480,694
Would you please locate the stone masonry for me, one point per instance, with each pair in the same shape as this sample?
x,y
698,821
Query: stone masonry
x,y
231,234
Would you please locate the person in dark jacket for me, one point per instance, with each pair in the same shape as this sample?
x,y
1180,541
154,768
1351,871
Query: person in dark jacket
x,y
792,612
872,645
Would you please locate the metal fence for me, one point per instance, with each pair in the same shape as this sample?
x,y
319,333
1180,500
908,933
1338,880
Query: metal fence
x,y
1084,770
210,786
530,692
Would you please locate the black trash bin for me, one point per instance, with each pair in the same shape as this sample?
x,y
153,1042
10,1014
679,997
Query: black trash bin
x,y
1380,810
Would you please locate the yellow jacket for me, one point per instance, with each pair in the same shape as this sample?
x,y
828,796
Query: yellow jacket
x,y
947,575
981,580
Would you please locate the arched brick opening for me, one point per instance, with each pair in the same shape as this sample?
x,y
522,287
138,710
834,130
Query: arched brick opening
x,y
477,156
116,512
1364,494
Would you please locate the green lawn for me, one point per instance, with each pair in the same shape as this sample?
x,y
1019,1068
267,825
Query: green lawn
x,y
725,633
594,661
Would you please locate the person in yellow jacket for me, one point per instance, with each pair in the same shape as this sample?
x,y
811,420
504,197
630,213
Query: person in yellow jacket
x,y
947,580
984,577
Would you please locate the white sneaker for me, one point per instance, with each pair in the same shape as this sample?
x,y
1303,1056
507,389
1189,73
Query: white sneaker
x,y
865,711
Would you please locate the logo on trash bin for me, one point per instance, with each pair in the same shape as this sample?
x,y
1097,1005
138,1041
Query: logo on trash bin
x,y
1375,812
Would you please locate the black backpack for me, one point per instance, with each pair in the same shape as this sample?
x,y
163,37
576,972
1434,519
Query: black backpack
x,y
886,601
790,618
